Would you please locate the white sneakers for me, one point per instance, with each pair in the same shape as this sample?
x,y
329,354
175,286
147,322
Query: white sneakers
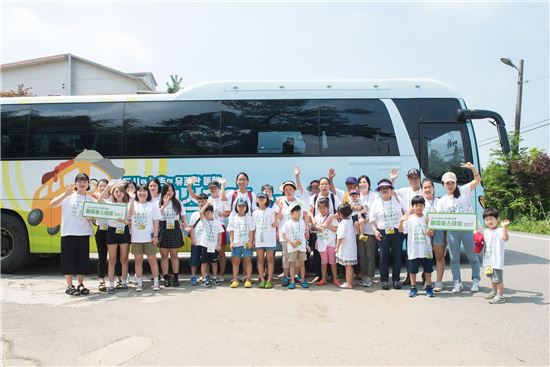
x,y
491,295
457,287
139,286
475,286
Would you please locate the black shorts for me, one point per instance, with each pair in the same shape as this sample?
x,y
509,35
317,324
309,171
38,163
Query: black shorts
x,y
414,265
208,257
117,239
75,255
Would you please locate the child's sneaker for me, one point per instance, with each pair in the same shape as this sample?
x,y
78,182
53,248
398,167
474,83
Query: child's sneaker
x,y
297,279
413,292
438,287
491,295
218,281
368,282
193,280
139,286
248,284
285,282
304,284
124,287
268,285
457,287
208,280
156,285
235,284
475,286
111,290
292,286
430,291
262,284
498,299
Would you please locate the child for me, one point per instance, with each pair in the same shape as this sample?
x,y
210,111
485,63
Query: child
x,y
241,234
195,233
359,212
493,255
210,242
144,236
265,238
118,234
419,244
75,234
296,233
346,244
325,225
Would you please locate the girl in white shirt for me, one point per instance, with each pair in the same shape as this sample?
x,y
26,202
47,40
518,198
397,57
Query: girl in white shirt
x,y
265,238
346,245
154,188
325,225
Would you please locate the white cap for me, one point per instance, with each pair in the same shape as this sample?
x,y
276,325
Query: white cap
x,y
448,176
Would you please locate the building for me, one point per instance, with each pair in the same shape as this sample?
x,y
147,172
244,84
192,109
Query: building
x,y
70,75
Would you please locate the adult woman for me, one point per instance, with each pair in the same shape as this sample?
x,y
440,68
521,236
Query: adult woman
x,y
154,188
457,200
366,249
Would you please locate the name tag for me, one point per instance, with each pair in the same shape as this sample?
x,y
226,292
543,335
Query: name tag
x,y
119,231
169,225
103,227
390,230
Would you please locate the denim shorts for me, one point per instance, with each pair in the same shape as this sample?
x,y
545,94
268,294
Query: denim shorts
x,y
195,259
241,252
274,248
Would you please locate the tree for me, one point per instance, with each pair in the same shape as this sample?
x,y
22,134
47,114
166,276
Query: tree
x,y
20,92
174,85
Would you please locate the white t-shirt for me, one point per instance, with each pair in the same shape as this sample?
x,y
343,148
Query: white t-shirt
x,y
209,231
220,207
169,215
386,214
419,244
368,200
241,227
348,248
295,230
493,252
430,205
326,237
233,203
142,221
72,221
156,200
285,210
265,235
305,196
405,195
195,228
332,208
450,204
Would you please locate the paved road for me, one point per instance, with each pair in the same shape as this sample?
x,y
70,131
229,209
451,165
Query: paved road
x,y
320,326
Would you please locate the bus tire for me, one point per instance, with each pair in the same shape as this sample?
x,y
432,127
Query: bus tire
x,y
15,244
54,230
35,217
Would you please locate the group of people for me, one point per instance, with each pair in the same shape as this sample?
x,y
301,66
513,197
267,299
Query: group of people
x,y
340,227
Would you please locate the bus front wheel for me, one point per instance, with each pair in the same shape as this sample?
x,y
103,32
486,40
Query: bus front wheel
x,y
35,217
15,243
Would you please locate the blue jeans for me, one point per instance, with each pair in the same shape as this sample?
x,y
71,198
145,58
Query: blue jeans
x,y
454,238
391,244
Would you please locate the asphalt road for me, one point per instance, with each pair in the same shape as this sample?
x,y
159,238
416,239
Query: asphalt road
x,y
318,326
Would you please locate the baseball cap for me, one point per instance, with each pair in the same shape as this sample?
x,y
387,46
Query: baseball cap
x,y
351,180
241,201
262,194
448,176
413,172
354,192
214,183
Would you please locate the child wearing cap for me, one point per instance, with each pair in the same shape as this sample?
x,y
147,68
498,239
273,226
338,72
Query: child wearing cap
x,y
493,253
265,238
346,245
296,232
241,234
457,200
75,234
419,247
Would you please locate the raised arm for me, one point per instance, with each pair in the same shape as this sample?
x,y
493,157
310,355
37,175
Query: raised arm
x,y
504,224
69,189
190,190
393,175
477,178
331,175
298,180
222,182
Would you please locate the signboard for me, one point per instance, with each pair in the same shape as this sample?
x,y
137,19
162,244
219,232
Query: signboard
x,y
104,210
452,221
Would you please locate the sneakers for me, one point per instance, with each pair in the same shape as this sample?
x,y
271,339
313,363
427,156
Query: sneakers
x,y
248,284
498,299
304,284
156,285
397,285
430,291
167,283
218,281
491,295
139,286
345,285
413,292
111,290
268,285
367,282
176,281
458,287
207,282
193,280
262,284
438,287
235,284
124,287
385,286
285,282
292,286
475,286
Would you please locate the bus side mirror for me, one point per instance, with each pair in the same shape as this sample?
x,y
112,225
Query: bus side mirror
x,y
464,115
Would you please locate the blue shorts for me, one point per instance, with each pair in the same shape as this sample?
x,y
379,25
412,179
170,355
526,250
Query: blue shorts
x,y
414,264
274,248
195,259
241,252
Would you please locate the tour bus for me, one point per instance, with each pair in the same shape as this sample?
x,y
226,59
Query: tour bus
x,y
218,129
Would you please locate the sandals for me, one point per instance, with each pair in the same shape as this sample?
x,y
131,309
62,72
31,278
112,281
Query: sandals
x,y
118,285
82,290
72,291
102,287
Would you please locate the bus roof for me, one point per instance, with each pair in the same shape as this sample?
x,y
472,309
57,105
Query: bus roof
x,y
273,89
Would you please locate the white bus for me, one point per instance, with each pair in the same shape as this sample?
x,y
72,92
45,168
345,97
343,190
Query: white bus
x,y
218,129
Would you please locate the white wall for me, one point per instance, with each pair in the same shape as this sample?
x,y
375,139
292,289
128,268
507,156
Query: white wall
x,y
89,79
45,79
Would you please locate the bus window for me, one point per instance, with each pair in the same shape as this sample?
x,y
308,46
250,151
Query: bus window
x,y
356,128
14,130
155,129
443,149
65,130
282,127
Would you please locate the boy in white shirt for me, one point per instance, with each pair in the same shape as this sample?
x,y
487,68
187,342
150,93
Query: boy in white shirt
x,y
296,233
419,244
210,242
493,253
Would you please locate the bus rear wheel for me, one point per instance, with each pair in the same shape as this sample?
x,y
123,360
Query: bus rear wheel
x,y
54,230
15,244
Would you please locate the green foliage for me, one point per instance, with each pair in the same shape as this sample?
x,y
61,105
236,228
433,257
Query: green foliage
x,y
517,184
20,92
526,224
174,85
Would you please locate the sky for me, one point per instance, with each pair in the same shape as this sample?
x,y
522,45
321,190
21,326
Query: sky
x,y
459,43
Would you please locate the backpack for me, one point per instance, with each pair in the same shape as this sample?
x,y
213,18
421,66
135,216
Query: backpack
x,y
234,197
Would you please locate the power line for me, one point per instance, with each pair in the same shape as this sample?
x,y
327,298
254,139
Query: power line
x,y
494,137
521,133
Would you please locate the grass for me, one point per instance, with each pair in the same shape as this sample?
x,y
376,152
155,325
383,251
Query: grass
x,y
529,225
